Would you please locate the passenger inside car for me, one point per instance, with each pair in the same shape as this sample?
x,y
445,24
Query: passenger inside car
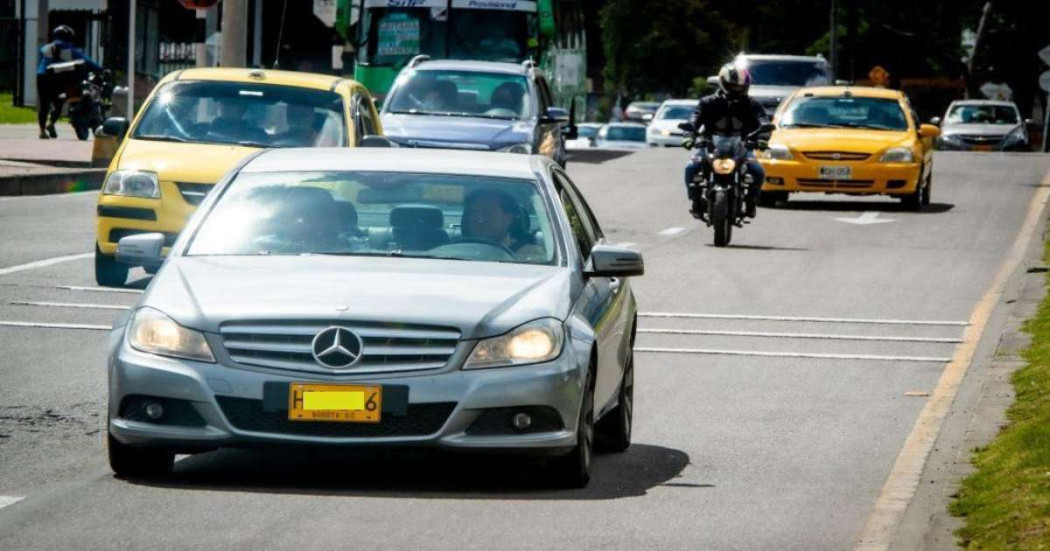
x,y
507,96
495,217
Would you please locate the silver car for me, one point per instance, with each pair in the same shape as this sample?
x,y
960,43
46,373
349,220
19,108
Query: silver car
x,y
380,297
982,125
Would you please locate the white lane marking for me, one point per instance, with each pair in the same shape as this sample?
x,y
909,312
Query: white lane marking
x,y
44,263
54,325
70,305
866,219
9,500
626,245
798,318
98,289
712,352
799,335
672,231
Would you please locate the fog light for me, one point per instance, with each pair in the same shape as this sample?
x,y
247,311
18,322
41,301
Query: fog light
x,y
775,181
154,410
521,421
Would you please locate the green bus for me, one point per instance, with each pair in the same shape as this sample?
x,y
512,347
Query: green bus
x,y
389,33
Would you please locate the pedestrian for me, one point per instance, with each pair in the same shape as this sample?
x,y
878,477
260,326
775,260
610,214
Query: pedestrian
x,y
49,85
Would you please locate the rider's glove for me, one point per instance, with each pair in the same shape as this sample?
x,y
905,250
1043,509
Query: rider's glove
x,y
689,143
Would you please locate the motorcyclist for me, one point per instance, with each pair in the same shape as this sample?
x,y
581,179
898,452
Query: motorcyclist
x,y
49,86
731,111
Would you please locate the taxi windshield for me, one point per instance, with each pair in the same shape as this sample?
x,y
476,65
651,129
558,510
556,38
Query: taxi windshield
x,y
447,217
845,112
253,115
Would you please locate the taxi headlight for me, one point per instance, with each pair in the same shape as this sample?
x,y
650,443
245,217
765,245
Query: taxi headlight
x,y
152,332
534,342
779,152
524,148
132,183
723,166
897,155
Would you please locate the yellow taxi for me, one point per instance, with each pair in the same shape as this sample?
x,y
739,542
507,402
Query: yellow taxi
x,y
848,139
198,124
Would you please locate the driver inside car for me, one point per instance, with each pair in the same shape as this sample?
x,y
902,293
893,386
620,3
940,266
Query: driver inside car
x,y
493,216
232,122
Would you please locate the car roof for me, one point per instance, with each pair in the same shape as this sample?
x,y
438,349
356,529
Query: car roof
x,y
779,57
985,102
470,65
681,102
259,76
855,91
371,159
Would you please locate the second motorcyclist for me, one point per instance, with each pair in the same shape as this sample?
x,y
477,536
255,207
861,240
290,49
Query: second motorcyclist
x,y
50,86
731,111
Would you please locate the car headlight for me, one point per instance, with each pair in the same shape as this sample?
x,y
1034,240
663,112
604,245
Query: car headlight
x,y
524,148
534,342
898,155
1018,134
950,138
132,183
779,152
152,332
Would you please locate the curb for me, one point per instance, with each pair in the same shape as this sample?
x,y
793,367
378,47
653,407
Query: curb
x,y
53,182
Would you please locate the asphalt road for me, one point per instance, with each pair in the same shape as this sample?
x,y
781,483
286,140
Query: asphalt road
x,y
751,433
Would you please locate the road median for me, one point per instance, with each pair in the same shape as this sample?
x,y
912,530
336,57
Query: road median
x,y
19,178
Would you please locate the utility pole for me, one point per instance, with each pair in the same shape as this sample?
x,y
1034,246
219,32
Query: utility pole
x,y
235,33
200,48
834,57
131,59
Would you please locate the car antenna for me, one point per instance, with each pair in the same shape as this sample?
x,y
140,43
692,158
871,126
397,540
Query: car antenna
x,y
280,37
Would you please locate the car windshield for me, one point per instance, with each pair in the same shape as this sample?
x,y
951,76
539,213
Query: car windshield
x,y
255,115
982,114
844,112
675,112
623,133
471,218
787,72
462,94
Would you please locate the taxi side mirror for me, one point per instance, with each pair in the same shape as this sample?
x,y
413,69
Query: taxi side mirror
x,y
929,131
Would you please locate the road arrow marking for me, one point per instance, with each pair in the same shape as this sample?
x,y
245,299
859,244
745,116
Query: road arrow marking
x,y
865,219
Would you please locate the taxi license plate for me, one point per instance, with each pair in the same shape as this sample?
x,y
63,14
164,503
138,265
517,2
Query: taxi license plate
x,y
336,403
836,173
982,148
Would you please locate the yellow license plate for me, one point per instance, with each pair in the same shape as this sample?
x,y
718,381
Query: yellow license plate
x,y
982,148
336,403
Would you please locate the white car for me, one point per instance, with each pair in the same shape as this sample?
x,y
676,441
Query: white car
x,y
664,131
586,132
621,135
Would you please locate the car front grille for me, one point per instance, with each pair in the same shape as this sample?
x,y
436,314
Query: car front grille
x,y
419,420
836,156
388,347
193,193
980,139
837,184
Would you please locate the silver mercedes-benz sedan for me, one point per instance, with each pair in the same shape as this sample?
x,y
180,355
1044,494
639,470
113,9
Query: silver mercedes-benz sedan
x,y
379,297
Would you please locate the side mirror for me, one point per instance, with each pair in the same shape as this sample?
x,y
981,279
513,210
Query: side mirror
x,y
375,141
936,121
608,261
555,114
686,127
712,81
1029,122
141,250
114,127
929,131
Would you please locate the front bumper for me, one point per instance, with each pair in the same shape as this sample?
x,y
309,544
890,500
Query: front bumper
x,y
235,406
869,178
118,216
1002,145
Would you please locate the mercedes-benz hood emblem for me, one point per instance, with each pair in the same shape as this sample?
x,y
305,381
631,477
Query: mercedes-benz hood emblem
x,y
337,347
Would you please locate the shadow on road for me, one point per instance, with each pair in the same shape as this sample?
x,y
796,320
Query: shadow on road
x,y
596,156
758,248
862,206
419,474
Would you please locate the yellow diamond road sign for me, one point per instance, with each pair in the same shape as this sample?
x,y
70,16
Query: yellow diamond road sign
x,y
879,76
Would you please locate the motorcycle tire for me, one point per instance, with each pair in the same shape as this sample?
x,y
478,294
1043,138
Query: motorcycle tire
x,y
721,220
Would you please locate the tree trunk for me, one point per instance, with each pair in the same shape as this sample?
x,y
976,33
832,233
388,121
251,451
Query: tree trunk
x,y
971,64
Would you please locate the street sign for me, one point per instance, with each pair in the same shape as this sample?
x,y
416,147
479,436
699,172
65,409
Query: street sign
x,y
1044,55
1044,81
325,11
879,76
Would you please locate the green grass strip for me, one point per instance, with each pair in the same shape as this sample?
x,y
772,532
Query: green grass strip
x,y
9,114
1006,503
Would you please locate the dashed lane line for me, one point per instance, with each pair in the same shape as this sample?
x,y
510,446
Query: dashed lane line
x,y
44,325
762,334
867,357
9,500
44,263
682,315
70,305
672,231
99,289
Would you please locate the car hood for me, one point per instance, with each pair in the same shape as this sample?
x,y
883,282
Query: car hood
x,y
839,139
492,133
479,299
979,129
183,162
764,92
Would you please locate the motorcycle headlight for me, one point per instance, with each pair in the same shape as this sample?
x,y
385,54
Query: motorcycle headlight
x,y
534,342
898,155
132,183
152,332
524,148
723,166
779,152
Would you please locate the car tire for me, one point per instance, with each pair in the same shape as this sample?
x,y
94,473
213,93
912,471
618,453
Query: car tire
x,y
927,191
614,429
913,201
109,272
573,470
127,461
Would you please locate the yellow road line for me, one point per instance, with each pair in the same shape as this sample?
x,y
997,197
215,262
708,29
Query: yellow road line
x,y
900,487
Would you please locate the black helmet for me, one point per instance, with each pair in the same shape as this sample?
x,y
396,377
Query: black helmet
x,y
734,80
63,32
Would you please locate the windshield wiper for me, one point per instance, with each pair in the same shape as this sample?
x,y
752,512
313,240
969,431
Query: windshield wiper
x,y
250,143
161,138
807,125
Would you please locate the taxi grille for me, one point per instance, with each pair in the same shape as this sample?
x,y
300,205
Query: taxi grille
x,y
419,420
836,156
388,347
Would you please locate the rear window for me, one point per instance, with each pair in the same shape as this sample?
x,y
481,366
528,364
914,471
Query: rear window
x,y
623,133
788,72
675,112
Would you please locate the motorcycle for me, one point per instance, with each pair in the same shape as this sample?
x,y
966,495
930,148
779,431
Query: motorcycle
x,y
721,182
89,94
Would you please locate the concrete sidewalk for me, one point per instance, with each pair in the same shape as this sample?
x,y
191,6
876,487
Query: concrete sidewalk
x,y
31,166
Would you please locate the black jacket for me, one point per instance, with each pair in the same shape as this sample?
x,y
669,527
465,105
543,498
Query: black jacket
x,y
719,114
